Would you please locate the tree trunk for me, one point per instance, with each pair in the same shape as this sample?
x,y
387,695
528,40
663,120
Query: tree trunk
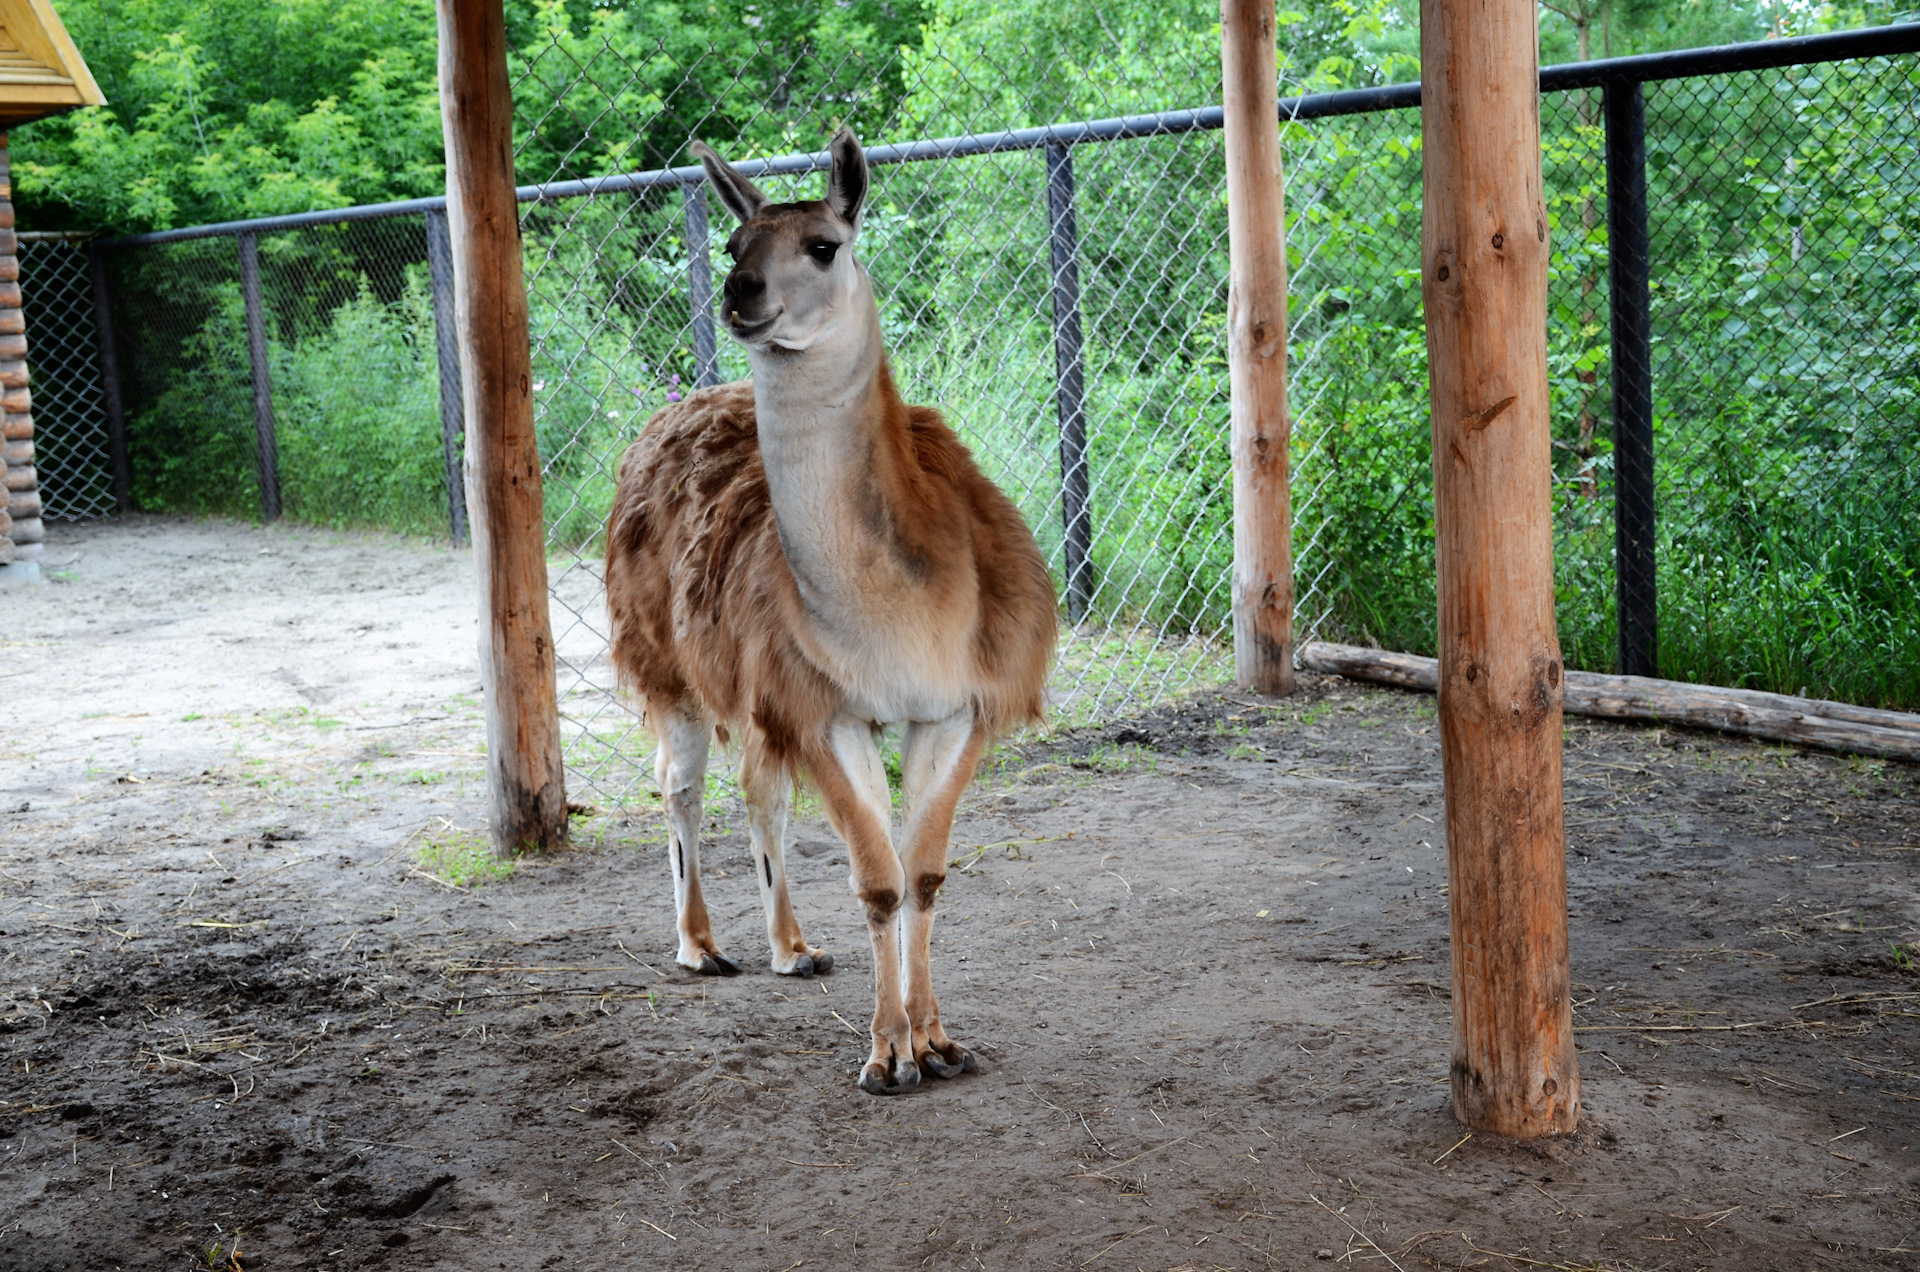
x,y
502,461
1484,255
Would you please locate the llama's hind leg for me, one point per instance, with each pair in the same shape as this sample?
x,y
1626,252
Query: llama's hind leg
x,y
684,737
769,792
937,762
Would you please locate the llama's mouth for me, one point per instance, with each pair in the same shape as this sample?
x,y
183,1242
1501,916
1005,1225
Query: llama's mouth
x,y
748,332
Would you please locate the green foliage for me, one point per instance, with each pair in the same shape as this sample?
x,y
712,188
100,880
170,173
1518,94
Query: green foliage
x,y
358,417
1787,302
1786,372
222,109
218,109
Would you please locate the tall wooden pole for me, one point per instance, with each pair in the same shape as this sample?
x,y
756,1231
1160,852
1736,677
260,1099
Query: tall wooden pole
x,y
1484,253
502,461
1257,350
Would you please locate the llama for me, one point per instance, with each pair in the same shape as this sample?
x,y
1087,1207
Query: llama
x,y
800,559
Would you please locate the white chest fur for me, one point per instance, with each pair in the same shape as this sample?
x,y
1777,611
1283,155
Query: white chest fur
x,y
877,622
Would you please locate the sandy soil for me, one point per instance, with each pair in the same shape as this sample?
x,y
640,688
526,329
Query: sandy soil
x,y
1202,954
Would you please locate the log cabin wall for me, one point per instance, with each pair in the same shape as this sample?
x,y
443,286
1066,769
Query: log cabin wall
x,y
20,523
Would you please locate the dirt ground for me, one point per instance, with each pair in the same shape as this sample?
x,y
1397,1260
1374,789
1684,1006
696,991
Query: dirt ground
x,y
1202,954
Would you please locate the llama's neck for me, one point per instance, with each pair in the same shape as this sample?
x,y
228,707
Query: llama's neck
x,y
824,418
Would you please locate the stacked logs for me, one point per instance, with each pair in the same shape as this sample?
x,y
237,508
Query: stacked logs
x,y
20,523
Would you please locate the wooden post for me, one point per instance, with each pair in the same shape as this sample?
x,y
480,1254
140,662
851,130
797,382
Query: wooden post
x,y
1257,351
266,441
1484,257
503,461
446,344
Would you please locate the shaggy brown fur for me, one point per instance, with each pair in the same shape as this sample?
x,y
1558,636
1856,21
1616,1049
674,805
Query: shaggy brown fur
x,y
705,611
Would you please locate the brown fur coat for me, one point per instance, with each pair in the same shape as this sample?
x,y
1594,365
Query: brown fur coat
x,y
706,612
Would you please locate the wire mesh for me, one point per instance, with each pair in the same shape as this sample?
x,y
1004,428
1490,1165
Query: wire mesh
x,y
1785,308
1362,476
350,362
961,253
71,447
1786,372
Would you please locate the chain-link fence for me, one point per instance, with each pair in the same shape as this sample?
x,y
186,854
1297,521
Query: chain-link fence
x,y
1059,290
72,449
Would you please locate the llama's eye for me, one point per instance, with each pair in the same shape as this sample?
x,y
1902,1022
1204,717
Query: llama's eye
x,y
823,251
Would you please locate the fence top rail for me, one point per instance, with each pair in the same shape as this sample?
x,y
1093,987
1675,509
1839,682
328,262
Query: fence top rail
x,y
1724,59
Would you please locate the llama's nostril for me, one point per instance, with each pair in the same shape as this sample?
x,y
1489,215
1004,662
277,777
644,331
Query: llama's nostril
x,y
742,285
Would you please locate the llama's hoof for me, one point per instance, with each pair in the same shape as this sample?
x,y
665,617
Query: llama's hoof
x,y
957,1061
718,965
874,1079
809,965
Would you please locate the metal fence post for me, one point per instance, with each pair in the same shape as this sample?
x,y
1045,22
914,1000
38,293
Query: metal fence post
x,y
268,451
117,458
446,345
1632,304
1070,396
706,354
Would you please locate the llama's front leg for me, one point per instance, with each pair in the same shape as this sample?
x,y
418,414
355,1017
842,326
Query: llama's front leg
x,y
853,786
769,792
938,762
684,737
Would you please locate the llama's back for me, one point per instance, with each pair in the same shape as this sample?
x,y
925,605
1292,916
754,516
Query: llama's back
x,y
704,606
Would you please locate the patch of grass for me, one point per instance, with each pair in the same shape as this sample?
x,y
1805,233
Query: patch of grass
x,y
300,715
463,858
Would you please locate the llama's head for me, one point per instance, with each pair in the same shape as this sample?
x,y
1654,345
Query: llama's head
x,y
794,280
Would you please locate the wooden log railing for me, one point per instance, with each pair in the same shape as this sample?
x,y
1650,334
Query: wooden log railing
x,y
1832,726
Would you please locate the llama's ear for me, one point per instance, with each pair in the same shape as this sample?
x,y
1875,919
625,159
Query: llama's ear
x,y
742,197
847,184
